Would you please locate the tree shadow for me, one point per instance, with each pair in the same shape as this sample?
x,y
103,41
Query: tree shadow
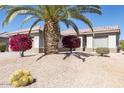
x,y
84,54
40,57
103,56
29,55
5,84
106,56
43,56
34,81
67,55
79,55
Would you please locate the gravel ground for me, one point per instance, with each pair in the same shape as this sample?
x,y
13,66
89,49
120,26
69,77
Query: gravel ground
x,y
54,71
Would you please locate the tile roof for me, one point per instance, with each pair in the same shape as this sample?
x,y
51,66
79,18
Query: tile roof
x,y
103,29
25,31
3,35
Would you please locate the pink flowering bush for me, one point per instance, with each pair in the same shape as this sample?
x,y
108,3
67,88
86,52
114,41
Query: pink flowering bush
x,y
71,42
20,42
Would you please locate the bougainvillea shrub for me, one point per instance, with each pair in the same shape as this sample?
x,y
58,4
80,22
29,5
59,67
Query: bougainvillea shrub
x,y
20,42
71,42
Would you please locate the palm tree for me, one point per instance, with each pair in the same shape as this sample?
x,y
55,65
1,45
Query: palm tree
x,y
52,15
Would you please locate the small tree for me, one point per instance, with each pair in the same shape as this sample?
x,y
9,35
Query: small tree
x,y
71,42
20,42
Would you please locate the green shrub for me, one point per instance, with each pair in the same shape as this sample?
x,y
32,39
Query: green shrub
x,y
102,51
122,45
21,78
3,47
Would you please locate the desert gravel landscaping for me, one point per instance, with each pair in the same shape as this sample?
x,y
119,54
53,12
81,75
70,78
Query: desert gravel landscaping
x,y
54,71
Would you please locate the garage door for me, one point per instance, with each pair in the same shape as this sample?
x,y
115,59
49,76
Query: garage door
x,y
100,42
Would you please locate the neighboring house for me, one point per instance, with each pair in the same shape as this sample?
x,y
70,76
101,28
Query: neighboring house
x,y
107,36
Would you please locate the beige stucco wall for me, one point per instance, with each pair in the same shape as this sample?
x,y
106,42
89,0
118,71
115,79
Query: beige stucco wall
x,y
81,38
112,41
37,40
89,41
37,44
89,46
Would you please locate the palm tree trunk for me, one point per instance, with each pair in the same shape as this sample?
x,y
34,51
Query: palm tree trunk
x,y
51,36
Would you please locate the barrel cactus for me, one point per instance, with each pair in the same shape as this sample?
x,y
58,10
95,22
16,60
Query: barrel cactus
x,y
21,78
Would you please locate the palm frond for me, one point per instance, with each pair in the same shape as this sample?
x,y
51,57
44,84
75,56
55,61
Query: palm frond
x,y
85,9
95,6
3,7
82,18
34,23
89,9
28,18
11,15
68,23
14,11
57,12
48,12
40,7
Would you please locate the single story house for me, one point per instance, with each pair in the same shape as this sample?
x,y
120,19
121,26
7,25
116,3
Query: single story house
x,y
106,36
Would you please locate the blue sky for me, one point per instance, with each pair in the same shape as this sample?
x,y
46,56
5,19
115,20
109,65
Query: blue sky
x,y
111,15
